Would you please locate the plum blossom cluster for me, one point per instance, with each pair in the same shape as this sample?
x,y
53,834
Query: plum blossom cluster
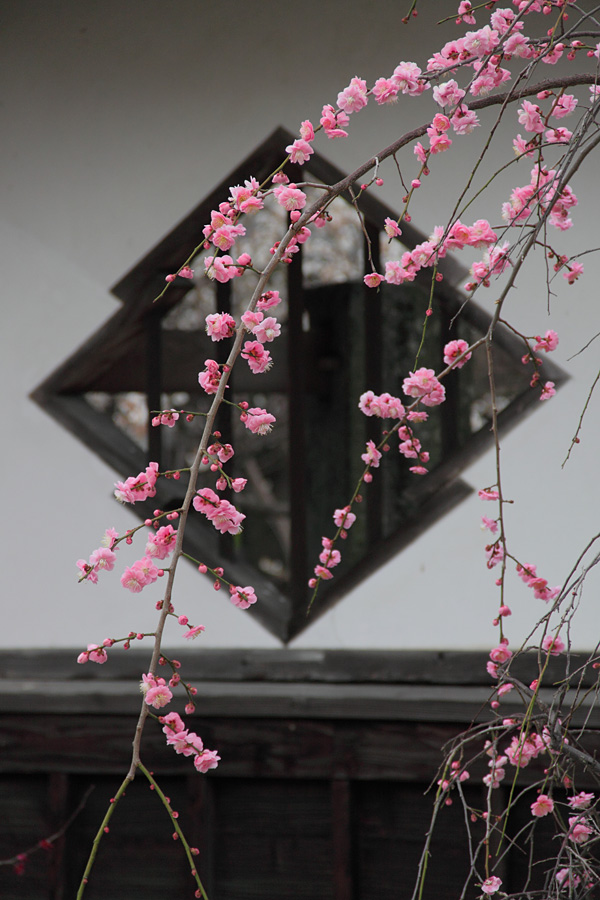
x,y
156,691
541,194
521,750
457,774
96,653
162,542
329,557
428,253
102,558
166,417
187,743
142,573
423,385
528,574
220,512
139,488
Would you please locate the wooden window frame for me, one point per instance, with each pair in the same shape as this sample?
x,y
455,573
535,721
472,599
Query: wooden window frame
x,y
134,332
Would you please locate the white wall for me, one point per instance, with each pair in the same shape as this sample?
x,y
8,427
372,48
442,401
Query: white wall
x,y
117,118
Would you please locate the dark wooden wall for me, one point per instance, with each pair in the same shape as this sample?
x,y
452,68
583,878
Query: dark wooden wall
x,y
321,792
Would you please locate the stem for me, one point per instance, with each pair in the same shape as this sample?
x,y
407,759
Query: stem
x,y
177,828
100,834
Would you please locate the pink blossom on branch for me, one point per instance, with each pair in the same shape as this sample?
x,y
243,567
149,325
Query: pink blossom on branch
x,y
424,386
542,806
242,597
491,885
219,326
372,455
579,830
343,518
167,417
354,97
453,350
210,378
258,359
333,124
258,421
548,343
290,197
139,488
548,391
94,653
580,801
553,645
194,632
299,151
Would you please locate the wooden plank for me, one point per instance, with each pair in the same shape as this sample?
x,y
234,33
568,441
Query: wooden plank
x,y
342,839
309,701
426,667
249,748
203,833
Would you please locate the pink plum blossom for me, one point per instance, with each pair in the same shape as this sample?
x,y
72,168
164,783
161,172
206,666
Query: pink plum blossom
x,y
161,543
424,385
259,421
94,653
267,300
579,830
553,644
530,117
307,132
372,455
103,558
373,280
219,326
333,124
574,270
547,343
448,93
290,197
548,391
491,885
194,632
343,518
406,77
158,696
139,488
220,268
242,597
257,357
354,97
166,417
299,151
210,378
208,759
490,524
580,801
225,517
453,350
500,654
330,558
267,330
542,806
385,91
465,11
464,120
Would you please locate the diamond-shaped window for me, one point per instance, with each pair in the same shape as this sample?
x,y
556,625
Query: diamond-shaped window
x,y
338,340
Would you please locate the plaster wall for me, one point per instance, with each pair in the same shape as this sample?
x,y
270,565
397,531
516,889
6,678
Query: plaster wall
x,y
117,118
